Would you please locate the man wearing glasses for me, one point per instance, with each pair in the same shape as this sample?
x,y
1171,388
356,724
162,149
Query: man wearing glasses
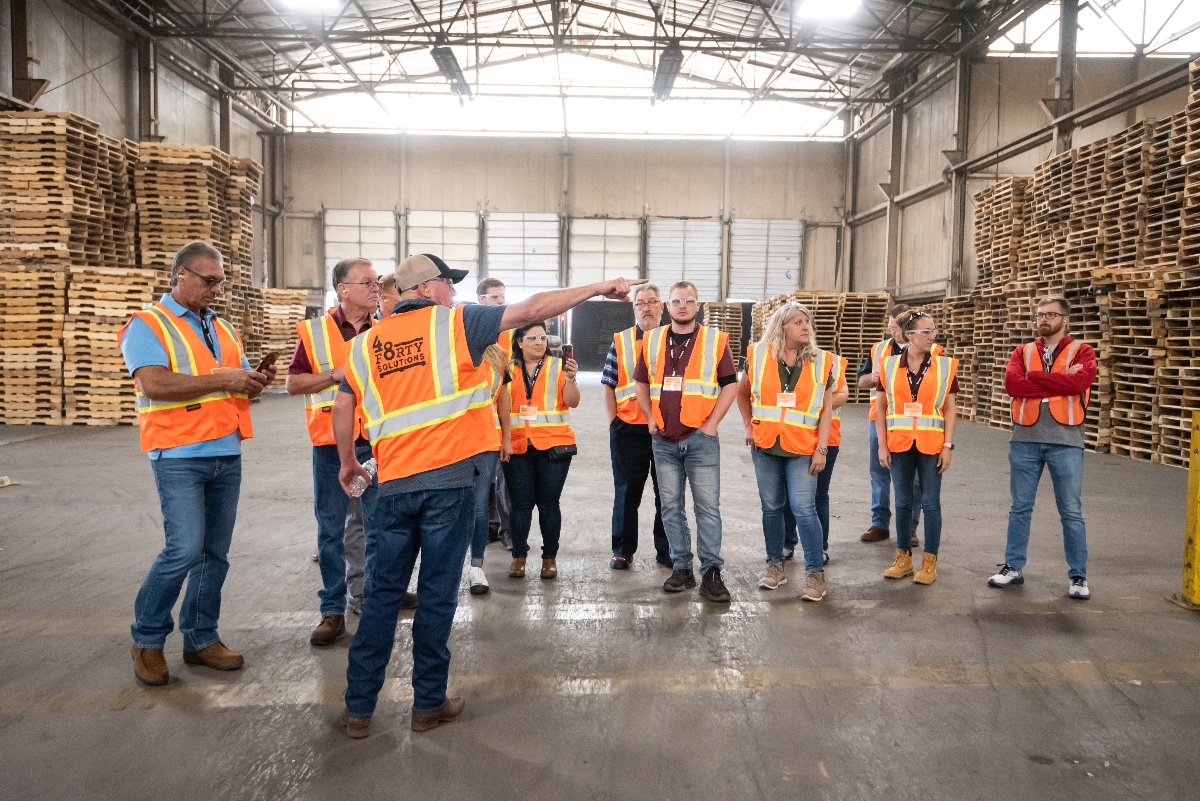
x,y
629,440
194,387
1050,383
685,383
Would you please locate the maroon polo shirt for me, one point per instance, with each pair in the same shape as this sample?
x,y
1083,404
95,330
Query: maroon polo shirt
x,y
301,365
671,403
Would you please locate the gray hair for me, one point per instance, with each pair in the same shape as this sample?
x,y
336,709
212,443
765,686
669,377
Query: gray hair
x,y
189,253
640,288
341,270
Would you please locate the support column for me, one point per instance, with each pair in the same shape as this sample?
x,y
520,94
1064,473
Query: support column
x,y
225,111
1063,101
147,77
724,216
846,234
958,178
892,188
24,87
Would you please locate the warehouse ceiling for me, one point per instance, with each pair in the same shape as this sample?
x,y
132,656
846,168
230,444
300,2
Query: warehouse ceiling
x,y
773,67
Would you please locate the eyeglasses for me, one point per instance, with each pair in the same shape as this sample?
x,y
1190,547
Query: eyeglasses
x,y
647,304
689,302
926,332
210,281
1047,315
533,338
496,298
367,284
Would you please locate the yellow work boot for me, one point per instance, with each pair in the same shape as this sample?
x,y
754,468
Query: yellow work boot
x,y
928,572
901,567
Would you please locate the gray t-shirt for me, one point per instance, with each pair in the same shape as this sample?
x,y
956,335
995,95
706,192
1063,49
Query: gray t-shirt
x,y
482,324
1047,430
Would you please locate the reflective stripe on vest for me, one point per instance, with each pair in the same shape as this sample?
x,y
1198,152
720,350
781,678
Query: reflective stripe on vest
x,y
549,412
835,426
182,360
1067,410
626,347
930,420
321,332
810,416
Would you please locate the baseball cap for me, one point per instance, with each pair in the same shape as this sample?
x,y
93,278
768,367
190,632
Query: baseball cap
x,y
425,267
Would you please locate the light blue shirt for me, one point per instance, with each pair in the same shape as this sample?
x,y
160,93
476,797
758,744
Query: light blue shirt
x,y
141,347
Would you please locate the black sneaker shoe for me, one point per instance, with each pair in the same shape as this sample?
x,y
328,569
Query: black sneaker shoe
x,y
679,581
664,560
712,588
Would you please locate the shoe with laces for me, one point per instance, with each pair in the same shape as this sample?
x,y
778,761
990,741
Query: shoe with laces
x,y
354,727
712,588
1007,577
901,567
478,581
773,577
1078,591
814,586
679,581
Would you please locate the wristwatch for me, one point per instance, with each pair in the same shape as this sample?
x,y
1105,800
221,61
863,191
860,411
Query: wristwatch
x,y
949,445
823,450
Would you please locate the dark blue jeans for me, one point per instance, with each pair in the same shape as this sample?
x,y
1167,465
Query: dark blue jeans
x,y
535,480
483,494
199,499
791,537
437,524
630,447
330,503
881,508
908,468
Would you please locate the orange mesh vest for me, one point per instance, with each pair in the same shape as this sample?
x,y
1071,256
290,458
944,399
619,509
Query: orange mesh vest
x,y
326,350
793,424
628,348
551,419
505,343
170,424
1067,410
423,403
699,384
835,428
925,426
879,352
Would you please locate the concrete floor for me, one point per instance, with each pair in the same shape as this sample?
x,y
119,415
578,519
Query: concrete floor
x,y
599,686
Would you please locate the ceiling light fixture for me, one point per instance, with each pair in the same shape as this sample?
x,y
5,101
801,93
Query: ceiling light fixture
x,y
447,64
827,9
669,62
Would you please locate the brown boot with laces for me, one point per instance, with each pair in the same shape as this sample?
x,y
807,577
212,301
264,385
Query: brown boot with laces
x,y
330,629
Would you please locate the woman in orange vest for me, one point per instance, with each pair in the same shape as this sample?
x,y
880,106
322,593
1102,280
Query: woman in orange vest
x,y
543,391
914,420
497,360
785,398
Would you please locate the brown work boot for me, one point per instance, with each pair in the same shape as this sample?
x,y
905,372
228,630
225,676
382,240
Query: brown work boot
x,y
875,534
215,656
330,628
446,713
901,567
915,542
928,572
356,728
150,666
517,569
549,569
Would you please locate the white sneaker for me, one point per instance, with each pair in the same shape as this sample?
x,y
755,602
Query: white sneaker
x,y
1079,589
1007,576
478,581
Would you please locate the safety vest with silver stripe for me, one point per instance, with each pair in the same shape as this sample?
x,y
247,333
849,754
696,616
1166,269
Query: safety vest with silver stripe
x,y
700,387
928,429
1066,410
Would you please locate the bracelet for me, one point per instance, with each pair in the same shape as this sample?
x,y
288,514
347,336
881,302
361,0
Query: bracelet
x,y
822,449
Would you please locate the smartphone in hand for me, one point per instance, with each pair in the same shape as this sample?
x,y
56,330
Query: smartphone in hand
x,y
267,361
568,352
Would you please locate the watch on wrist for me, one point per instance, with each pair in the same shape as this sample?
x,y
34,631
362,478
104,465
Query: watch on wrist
x,y
949,445
822,449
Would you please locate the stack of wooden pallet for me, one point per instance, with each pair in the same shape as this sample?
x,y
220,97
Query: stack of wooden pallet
x,y
863,323
728,318
999,230
956,322
240,306
282,309
31,320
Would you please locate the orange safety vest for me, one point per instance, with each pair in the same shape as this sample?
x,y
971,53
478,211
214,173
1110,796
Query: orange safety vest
x,y
700,388
496,384
552,420
927,429
794,426
423,403
1067,410
327,350
879,352
505,343
628,348
171,424
835,429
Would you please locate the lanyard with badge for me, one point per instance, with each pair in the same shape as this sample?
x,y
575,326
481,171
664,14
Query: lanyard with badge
x,y
915,410
787,400
673,382
528,411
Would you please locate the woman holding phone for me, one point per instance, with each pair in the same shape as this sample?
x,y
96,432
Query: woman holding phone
x,y
543,392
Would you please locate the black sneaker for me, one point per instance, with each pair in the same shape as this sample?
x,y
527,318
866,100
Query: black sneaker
x,y
789,554
679,581
664,560
712,588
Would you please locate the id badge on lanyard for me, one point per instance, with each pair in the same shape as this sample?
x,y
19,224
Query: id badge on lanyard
x,y
785,400
673,383
528,414
912,410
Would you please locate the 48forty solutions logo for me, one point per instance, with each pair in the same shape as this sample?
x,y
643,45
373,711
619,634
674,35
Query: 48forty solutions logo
x,y
396,357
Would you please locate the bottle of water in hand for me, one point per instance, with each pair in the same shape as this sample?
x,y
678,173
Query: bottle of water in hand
x,y
359,485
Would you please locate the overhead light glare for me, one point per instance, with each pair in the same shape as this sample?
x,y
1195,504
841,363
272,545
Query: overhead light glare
x,y
314,5
669,62
827,9
447,64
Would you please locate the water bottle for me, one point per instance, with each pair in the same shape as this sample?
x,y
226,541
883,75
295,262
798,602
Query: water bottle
x,y
359,485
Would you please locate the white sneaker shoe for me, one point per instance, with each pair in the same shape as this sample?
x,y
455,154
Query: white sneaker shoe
x,y
1079,589
1007,576
478,581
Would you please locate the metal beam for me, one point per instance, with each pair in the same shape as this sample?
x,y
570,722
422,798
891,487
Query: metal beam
x,y
225,111
24,87
1064,78
147,78
958,185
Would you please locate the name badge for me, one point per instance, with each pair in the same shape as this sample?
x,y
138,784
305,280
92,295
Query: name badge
x,y
219,370
912,410
785,400
673,383
528,413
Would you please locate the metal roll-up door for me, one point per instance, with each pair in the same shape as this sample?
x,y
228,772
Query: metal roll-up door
x,y
765,258
523,251
453,235
351,233
601,250
687,250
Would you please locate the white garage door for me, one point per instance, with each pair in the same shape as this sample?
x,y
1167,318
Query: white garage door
x,y
604,249
765,258
350,233
523,252
453,235
686,250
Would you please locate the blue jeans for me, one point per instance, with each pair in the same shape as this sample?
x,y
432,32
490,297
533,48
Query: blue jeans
x,y
785,482
199,499
791,538
915,476
483,494
630,448
695,460
437,524
535,480
1025,460
881,487
330,506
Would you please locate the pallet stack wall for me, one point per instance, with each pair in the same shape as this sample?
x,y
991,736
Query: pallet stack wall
x,y
282,309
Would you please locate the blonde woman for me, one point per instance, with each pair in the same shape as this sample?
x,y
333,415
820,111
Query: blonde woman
x,y
785,400
502,405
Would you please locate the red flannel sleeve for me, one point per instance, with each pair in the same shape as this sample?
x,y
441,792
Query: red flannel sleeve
x,y
1016,381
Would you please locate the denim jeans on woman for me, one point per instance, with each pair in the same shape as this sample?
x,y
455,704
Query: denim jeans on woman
x,y
199,499
918,486
784,482
483,494
534,479
790,536
881,488
1025,460
695,460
